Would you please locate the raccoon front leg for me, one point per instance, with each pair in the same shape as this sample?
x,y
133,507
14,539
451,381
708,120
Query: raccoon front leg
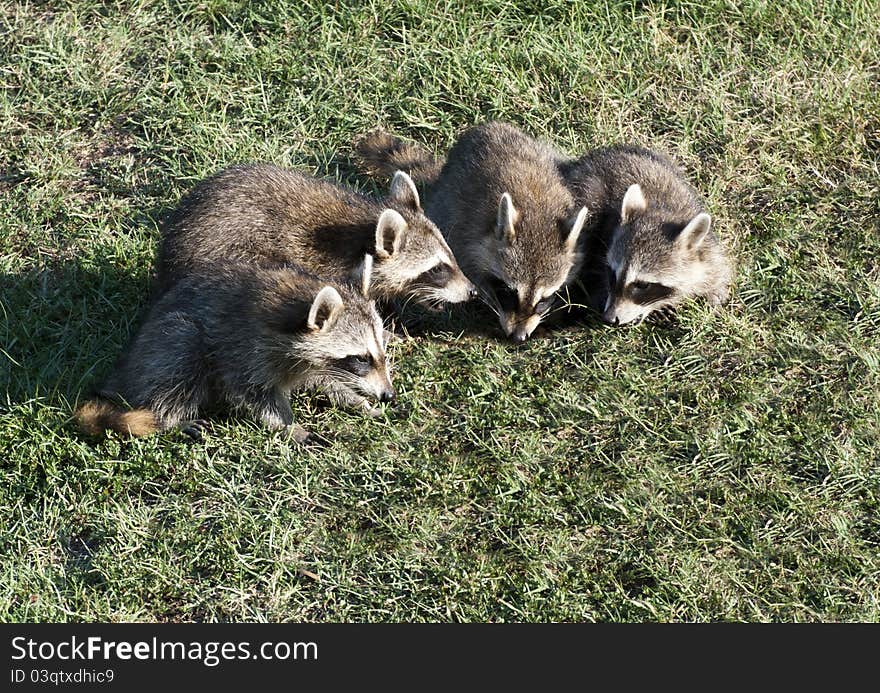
x,y
275,413
272,409
718,296
269,407
196,429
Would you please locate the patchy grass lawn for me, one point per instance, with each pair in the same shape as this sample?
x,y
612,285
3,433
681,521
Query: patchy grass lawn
x,y
714,467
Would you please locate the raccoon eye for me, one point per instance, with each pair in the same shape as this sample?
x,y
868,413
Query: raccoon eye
x,y
358,364
545,304
640,286
508,299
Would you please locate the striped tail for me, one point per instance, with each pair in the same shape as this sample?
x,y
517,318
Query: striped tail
x,y
97,416
381,153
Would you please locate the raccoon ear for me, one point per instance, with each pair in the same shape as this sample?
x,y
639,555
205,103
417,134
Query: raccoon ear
x,y
633,203
403,190
507,217
576,227
695,232
390,230
325,309
365,274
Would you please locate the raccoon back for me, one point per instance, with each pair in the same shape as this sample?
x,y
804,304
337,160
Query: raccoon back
x,y
264,214
600,178
485,162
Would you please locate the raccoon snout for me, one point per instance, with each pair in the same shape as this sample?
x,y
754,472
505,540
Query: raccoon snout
x,y
519,336
388,397
611,318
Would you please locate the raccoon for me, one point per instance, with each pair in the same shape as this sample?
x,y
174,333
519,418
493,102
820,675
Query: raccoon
x,y
651,245
503,207
269,215
244,337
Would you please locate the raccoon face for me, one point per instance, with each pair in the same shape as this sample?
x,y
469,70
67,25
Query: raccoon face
x,y
412,258
652,263
346,345
523,283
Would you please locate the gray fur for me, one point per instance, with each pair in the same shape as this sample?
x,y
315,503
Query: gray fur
x,y
644,238
273,216
524,248
244,337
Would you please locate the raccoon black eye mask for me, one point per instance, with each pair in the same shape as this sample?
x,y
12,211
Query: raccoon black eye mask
x,y
437,276
645,293
508,298
642,292
358,364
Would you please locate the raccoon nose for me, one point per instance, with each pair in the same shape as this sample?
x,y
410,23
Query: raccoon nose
x,y
519,336
388,397
473,293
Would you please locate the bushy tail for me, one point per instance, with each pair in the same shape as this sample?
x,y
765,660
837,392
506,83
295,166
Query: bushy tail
x,y
96,416
381,153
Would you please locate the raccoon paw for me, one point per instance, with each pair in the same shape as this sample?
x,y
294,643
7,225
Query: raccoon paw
x,y
300,435
307,438
355,402
196,429
718,297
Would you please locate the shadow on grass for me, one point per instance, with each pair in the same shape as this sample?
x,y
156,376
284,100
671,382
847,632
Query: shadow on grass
x,y
65,324
342,169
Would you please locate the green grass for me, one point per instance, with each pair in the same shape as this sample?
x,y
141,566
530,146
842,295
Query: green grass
x,y
716,467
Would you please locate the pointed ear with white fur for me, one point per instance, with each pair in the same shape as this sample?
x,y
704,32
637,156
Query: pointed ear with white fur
x,y
633,203
390,231
694,233
507,217
576,227
325,309
403,190
365,275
